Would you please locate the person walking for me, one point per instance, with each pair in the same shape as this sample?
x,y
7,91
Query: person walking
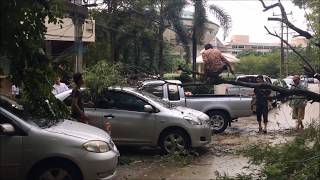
x,y
262,104
58,86
297,103
77,106
214,62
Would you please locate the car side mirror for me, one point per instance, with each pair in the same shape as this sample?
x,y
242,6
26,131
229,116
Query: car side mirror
x,y
148,108
6,129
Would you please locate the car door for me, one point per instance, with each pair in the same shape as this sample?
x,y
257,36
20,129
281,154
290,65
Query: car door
x,y
10,151
130,124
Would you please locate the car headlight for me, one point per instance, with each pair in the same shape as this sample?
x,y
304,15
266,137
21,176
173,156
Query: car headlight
x,y
192,121
96,146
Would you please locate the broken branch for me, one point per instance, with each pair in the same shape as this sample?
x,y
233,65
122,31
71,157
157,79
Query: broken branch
x,y
309,95
293,49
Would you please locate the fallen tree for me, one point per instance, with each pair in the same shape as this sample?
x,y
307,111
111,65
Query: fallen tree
x,y
283,92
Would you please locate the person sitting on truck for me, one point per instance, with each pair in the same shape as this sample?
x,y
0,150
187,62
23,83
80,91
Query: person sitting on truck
x,y
262,104
214,62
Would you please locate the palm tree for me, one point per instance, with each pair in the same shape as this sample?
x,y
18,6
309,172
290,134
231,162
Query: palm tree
x,y
167,14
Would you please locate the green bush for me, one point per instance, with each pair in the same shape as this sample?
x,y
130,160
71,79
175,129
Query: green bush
x,y
299,159
103,75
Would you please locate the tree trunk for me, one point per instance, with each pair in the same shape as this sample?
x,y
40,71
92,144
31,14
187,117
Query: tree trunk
x,y
161,45
113,46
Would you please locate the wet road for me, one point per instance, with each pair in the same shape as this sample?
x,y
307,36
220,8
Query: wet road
x,y
221,156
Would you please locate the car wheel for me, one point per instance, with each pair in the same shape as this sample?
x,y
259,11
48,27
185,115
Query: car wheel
x,y
174,142
218,121
57,171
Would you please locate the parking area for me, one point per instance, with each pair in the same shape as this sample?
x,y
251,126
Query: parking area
x,y
221,155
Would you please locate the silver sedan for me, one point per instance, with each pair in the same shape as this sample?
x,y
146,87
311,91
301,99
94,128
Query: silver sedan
x,y
141,119
62,149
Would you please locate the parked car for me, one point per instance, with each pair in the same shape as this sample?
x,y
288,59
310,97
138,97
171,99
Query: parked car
x,y
39,149
303,81
313,80
245,91
142,119
280,82
220,108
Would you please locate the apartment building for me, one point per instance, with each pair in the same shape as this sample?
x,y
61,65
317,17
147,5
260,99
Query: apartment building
x,y
240,43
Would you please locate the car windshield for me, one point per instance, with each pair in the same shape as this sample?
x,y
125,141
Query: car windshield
x,y
14,107
154,98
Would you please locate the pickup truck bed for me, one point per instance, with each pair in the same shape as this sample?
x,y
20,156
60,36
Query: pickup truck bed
x,y
220,108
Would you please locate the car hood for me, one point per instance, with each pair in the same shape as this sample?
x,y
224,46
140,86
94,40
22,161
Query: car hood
x,y
191,112
79,130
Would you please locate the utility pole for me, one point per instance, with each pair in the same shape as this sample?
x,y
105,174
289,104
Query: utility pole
x,y
287,53
281,51
78,13
283,64
78,21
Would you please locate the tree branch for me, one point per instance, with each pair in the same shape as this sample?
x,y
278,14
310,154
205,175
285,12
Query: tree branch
x,y
309,95
285,20
293,49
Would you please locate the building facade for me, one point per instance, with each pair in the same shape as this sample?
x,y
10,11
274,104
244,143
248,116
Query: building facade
x,y
239,43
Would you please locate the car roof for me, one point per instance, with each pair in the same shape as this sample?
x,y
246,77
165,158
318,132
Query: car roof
x,y
254,75
158,82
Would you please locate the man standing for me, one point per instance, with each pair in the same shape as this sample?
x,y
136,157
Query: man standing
x,y
77,106
262,104
214,62
297,103
58,86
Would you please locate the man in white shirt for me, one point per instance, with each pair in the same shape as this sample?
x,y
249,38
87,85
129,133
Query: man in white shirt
x,y
59,87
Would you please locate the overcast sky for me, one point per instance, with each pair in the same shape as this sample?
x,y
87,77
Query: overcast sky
x,y
248,18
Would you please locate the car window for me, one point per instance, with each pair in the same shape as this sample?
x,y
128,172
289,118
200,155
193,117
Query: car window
x,y
121,101
156,90
268,80
173,92
250,79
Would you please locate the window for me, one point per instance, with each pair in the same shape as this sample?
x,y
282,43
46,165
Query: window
x,y
156,90
241,46
254,47
173,92
121,101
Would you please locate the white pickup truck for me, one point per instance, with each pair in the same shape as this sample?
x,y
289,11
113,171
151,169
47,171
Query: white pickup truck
x,y
221,109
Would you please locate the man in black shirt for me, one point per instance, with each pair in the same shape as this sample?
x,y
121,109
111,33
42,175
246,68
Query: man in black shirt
x,y
262,104
77,106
